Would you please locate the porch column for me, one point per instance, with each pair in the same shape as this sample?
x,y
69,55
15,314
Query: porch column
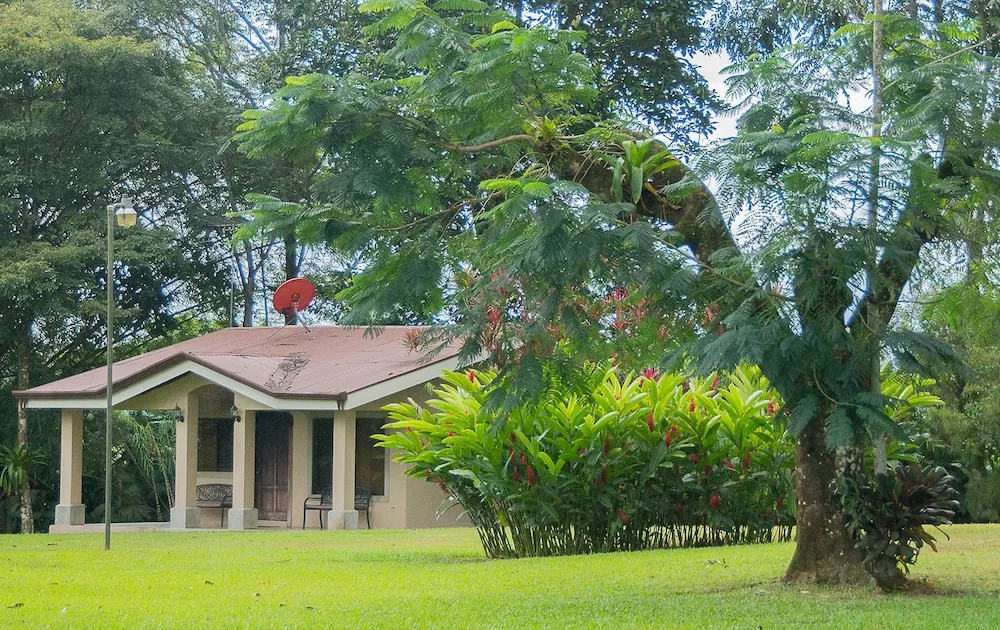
x,y
301,465
243,514
185,514
343,515
70,510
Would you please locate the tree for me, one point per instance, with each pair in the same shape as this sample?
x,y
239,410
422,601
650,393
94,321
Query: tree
x,y
87,115
481,188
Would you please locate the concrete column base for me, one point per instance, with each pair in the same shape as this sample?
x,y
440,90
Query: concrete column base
x,y
185,517
245,518
70,514
342,519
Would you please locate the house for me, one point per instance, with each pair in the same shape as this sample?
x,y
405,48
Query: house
x,y
278,413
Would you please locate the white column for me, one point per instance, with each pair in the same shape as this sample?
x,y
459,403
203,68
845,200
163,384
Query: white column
x,y
343,515
70,510
243,514
184,513
301,464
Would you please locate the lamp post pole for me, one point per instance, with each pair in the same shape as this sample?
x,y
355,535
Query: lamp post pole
x,y
126,216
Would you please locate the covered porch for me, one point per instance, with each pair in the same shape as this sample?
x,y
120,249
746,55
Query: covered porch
x,y
276,429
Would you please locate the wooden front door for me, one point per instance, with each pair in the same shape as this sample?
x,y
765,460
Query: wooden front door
x,y
271,474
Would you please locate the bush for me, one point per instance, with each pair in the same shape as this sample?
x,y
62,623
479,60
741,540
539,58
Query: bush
x,y
613,464
887,514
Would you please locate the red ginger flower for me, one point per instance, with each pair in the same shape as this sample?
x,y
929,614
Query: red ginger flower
x,y
715,381
622,515
781,502
666,439
674,431
678,507
472,376
746,461
728,464
771,406
517,476
524,460
531,476
451,433
691,406
715,502
649,421
513,438
708,471
607,445
694,458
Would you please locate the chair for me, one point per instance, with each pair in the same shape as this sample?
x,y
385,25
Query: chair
x,y
324,503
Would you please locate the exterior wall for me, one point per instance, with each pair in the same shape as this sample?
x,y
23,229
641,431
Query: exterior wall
x,y
410,502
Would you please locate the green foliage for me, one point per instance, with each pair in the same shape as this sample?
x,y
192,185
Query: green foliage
x,y
888,514
16,463
607,463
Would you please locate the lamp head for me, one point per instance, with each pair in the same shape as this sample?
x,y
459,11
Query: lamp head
x,y
234,413
125,214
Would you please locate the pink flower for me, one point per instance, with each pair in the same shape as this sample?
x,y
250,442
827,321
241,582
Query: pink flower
x,y
622,515
472,376
649,373
715,502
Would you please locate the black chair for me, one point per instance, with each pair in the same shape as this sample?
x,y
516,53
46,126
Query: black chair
x,y
324,503
362,501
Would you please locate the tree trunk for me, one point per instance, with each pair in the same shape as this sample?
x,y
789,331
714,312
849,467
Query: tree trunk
x,y
23,380
292,265
824,550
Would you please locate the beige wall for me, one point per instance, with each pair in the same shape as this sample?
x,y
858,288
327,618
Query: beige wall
x,y
410,503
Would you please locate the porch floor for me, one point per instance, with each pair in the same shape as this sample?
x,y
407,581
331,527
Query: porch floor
x,y
156,526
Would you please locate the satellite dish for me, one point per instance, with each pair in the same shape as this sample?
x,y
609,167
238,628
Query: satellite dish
x,y
293,296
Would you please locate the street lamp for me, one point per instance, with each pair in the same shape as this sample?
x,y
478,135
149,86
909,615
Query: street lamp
x,y
125,215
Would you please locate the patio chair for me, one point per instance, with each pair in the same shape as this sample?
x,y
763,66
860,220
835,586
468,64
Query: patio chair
x,y
324,503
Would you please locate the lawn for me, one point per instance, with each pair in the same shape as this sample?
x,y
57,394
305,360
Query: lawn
x,y
439,578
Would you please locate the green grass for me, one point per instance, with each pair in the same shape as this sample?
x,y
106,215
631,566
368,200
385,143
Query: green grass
x,y
439,578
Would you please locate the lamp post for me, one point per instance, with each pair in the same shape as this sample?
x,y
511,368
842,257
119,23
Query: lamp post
x,y
125,215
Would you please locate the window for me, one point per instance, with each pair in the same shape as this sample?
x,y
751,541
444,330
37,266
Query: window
x,y
369,460
215,444
322,468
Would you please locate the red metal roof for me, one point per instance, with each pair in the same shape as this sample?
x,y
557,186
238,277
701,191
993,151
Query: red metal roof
x,y
286,362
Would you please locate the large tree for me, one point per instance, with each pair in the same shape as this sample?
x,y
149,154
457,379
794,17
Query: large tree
x,y
88,114
482,188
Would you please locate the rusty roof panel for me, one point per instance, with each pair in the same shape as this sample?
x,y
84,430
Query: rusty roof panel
x,y
285,362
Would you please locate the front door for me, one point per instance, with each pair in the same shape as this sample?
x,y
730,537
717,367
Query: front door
x,y
271,474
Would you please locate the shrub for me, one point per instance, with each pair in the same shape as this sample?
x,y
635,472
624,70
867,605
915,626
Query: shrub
x,y
623,463
887,514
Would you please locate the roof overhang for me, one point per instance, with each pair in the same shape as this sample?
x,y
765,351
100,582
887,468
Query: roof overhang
x,y
182,364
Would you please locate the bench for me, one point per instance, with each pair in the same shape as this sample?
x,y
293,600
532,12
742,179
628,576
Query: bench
x,y
215,495
324,503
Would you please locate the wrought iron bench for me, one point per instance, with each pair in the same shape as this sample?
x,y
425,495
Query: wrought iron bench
x,y
324,503
215,495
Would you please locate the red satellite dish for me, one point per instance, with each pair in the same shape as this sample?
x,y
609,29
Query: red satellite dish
x,y
293,296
